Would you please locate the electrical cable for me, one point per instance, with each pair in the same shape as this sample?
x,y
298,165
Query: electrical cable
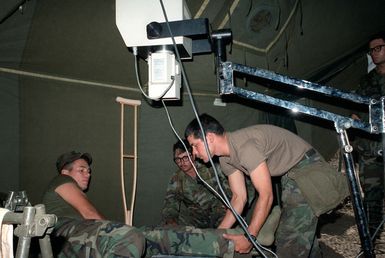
x,y
186,83
236,215
224,200
223,196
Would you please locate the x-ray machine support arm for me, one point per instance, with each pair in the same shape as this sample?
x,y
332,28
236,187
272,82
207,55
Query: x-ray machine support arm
x,y
226,81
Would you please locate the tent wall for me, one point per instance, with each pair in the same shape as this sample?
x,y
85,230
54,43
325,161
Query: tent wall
x,y
58,117
9,134
13,35
77,64
156,140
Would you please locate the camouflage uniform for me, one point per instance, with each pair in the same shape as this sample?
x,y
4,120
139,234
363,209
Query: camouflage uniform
x,y
370,162
96,238
189,202
188,241
295,235
77,237
297,216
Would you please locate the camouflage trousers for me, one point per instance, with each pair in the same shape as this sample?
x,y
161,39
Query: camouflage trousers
x,y
188,241
372,182
296,233
96,238
186,218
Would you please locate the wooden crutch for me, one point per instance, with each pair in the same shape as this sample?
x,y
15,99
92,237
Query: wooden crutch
x,y
128,213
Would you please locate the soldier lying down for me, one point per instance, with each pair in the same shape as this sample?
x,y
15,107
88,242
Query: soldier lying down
x,y
82,231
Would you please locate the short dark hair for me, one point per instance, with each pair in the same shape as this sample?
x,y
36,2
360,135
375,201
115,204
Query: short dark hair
x,y
209,124
179,146
379,35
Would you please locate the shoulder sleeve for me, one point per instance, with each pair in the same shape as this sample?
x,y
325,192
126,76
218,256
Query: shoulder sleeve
x,y
250,156
60,180
227,169
224,182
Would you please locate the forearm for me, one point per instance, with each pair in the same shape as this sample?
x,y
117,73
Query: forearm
x,y
91,213
238,204
260,214
75,197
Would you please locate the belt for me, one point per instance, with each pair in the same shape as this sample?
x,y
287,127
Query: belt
x,y
307,158
310,153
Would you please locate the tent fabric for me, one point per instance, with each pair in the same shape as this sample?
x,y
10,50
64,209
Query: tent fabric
x,y
13,36
63,63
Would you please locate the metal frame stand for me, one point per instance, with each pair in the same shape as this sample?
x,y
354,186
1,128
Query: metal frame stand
x,y
32,222
225,81
355,193
226,78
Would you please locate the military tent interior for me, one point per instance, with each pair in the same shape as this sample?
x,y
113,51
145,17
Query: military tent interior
x,y
64,63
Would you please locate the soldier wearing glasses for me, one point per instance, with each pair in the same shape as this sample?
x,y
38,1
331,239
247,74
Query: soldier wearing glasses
x,y
369,146
188,201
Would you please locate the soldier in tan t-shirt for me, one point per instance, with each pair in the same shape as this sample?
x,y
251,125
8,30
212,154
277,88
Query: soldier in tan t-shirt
x,y
262,151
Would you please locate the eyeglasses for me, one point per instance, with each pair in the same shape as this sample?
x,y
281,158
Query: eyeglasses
x,y
375,49
179,160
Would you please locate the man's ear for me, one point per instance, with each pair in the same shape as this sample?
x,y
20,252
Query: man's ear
x,y
210,137
65,172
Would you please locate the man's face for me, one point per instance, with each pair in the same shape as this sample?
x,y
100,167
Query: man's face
x,y
182,160
377,51
198,147
80,172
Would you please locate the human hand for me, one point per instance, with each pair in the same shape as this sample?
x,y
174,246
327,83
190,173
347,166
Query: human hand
x,y
241,243
355,117
170,222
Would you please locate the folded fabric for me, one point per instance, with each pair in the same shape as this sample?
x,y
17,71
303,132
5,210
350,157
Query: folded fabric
x,y
266,233
6,233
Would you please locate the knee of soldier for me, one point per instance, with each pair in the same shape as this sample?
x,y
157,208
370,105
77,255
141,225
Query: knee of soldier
x,y
135,237
134,241
124,238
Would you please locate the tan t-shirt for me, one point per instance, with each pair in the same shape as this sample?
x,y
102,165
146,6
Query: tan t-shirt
x,y
249,147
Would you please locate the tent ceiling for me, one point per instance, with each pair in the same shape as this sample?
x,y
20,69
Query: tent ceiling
x,y
299,38
79,40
